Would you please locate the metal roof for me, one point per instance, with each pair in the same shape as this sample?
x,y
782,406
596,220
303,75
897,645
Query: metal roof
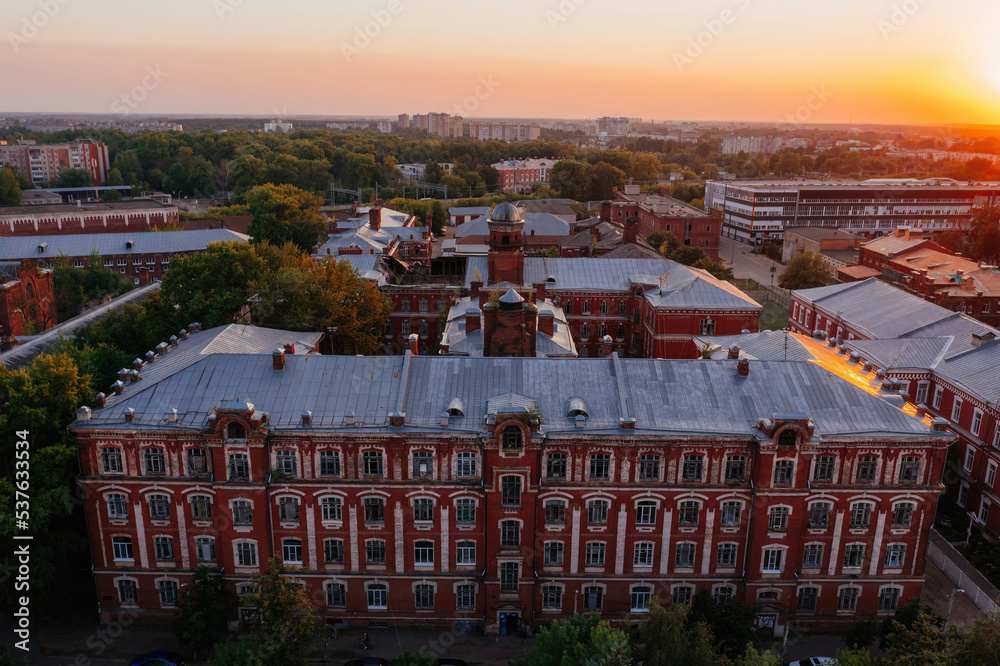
x,y
763,346
123,207
143,242
535,224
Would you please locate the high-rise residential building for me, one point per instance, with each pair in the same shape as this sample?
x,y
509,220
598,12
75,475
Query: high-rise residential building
x,y
753,211
403,121
501,131
42,162
768,143
442,124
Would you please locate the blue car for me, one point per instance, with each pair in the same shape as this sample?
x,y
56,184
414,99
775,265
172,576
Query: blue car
x,y
158,658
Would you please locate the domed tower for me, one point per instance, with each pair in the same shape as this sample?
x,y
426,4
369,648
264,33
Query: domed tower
x,y
506,255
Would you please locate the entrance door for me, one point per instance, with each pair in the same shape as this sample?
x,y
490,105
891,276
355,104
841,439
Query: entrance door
x,y
508,623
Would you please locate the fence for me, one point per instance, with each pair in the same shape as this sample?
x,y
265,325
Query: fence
x,y
961,572
777,295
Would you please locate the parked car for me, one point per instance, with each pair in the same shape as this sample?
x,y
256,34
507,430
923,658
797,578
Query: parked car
x,y
813,661
367,661
158,658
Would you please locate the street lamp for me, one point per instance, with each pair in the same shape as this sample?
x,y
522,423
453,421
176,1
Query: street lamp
x,y
951,601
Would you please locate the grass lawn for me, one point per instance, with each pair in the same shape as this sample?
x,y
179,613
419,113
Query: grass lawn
x,y
774,317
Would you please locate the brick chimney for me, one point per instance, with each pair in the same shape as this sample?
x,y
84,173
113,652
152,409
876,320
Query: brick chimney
x,y
734,352
397,419
278,359
474,288
743,367
118,387
354,208
605,211
606,342
379,203
547,323
629,235
414,341
539,291
375,218
428,223
290,348
101,399
473,320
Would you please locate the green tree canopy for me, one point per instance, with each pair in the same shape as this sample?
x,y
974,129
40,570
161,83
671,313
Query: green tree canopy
x,y
804,271
202,610
10,189
283,213
579,641
283,621
75,178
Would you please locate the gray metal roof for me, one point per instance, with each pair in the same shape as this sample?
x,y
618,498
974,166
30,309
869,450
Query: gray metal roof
x,y
143,242
665,397
123,207
977,369
763,346
537,224
900,353
469,210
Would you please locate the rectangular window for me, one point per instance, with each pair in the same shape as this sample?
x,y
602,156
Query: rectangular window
x,y
921,396
956,409
600,466
374,510
372,463
902,514
375,551
909,469
645,513
984,511
168,592
555,466
649,468
692,468
336,595
861,515
812,556
246,554
332,508
111,460
938,394
684,555
423,464
865,471
163,547
466,467
423,595
159,507
777,520
551,597
286,462
593,597
465,598
377,597
736,468
329,463
288,509
128,592
772,560
731,513
201,507
807,598
888,599
688,513
977,422
597,512
197,461
726,555
991,474
595,554
510,534
239,467
204,548
465,511
682,594
783,472
555,512
117,507
643,555
847,598
465,552
819,514
291,551
640,599
154,461
823,471
423,510
895,555
553,552
333,551
509,574
854,555
423,553
970,458
510,490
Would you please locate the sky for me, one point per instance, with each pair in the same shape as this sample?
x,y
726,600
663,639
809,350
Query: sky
x,y
839,61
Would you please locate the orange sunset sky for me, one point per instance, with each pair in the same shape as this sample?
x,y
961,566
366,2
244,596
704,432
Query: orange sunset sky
x,y
880,61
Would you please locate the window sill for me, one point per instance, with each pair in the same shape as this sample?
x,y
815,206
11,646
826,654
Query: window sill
x,y
465,526
423,565
597,569
555,527
201,522
243,529
333,566
597,528
372,526
118,522
372,566
160,522
123,562
688,529
424,525
289,525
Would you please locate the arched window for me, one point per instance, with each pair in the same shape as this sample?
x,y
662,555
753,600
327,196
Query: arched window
x,y
513,439
787,438
235,431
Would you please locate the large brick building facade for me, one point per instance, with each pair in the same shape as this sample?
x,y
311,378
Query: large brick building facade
x,y
91,218
27,301
501,491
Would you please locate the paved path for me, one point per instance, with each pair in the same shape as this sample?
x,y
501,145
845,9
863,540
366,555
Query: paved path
x,y
757,267
24,353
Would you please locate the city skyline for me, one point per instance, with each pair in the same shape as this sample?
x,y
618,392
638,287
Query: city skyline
x,y
891,62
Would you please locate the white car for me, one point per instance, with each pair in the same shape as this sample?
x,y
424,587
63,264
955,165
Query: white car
x,y
813,661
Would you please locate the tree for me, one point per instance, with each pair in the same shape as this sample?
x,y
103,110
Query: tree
x,y
10,189
234,653
923,644
75,178
111,195
202,610
854,657
607,180
324,296
284,213
663,241
214,286
282,620
579,641
572,179
689,255
983,240
716,268
981,644
731,622
666,638
804,271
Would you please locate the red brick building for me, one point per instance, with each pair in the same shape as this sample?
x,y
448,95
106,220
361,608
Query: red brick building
x,y
92,218
656,212
27,301
499,492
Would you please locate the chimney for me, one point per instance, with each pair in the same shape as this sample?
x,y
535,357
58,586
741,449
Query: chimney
x,y
629,235
375,218
743,367
130,414
979,338
83,414
354,208
428,223
122,374
162,348
183,335
118,387
547,323
150,357
173,340
133,376
194,327
606,346
734,352
290,348
474,288
307,417
939,424
414,340
278,359
397,419
172,414
605,211
627,423
473,320
539,291
101,399
379,203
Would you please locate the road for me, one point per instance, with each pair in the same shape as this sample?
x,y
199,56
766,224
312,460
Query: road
x,y
25,352
757,267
